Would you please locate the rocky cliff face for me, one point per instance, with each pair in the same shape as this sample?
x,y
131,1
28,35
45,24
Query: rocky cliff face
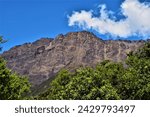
x,y
42,59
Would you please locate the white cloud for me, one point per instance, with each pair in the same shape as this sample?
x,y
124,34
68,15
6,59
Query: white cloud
x,y
135,23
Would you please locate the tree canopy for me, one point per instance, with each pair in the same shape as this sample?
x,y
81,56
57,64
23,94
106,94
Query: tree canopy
x,y
12,86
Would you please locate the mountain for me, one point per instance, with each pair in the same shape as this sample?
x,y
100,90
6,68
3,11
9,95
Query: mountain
x,y
44,58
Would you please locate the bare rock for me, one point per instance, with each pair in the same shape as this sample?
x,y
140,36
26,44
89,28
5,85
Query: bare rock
x,y
45,57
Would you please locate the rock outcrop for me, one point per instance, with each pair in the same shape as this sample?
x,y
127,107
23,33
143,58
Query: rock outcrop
x,y
42,59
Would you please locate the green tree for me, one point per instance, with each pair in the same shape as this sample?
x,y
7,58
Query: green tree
x,y
12,86
85,83
135,83
1,42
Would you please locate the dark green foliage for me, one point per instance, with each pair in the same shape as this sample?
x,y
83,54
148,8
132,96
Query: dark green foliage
x,y
1,42
12,86
135,83
86,83
108,80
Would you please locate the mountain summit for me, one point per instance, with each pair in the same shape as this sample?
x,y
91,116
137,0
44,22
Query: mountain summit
x,y
44,58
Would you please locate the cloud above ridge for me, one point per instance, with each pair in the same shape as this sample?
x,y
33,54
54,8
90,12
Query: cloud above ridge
x,y
135,23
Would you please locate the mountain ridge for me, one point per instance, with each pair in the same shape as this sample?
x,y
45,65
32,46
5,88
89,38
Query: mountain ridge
x,y
44,58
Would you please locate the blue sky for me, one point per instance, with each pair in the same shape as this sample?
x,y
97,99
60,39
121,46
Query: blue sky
x,y
24,21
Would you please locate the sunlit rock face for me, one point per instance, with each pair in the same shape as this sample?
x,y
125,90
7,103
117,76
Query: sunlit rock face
x,y
45,57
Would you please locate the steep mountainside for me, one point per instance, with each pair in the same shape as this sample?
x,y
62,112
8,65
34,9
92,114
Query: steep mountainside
x,y
42,59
